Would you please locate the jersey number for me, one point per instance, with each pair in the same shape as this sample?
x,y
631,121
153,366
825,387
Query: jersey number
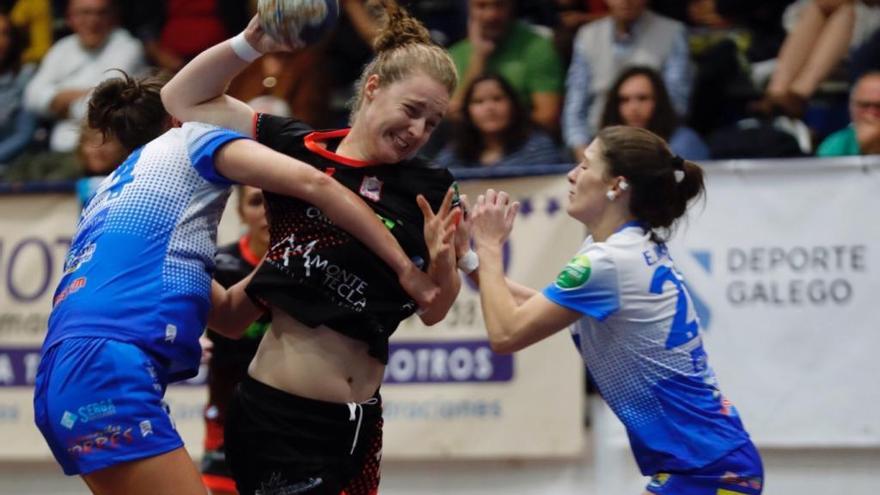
x,y
682,330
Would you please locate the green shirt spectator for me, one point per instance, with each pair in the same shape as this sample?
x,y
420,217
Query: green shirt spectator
x,y
525,58
840,143
862,137
498,43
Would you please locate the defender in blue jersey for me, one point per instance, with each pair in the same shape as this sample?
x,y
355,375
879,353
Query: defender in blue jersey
x,y
633,320
136,290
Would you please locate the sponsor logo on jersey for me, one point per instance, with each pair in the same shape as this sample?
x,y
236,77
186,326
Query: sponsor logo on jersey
x,y
96,410
109,437
658,480
68,419
575,274
74,286
146,428
371,188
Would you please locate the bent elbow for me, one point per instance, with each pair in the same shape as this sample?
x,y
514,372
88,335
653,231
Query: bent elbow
x,y
171,104
168,100
502,345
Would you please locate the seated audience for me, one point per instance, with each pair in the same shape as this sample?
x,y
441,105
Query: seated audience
x,y
17,125
181,29
862,136
498,43
76,63
630,35
638,98
34,17
823,35
495,130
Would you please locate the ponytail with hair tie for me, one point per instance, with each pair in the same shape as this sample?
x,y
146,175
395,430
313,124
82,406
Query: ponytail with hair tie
x,y
678,168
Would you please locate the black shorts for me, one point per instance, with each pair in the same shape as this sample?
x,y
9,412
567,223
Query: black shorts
x,y
280,443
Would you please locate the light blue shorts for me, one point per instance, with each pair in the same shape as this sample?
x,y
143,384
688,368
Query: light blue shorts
x,y
98,403
738,473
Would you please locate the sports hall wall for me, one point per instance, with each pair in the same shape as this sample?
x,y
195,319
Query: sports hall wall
x,y
783,262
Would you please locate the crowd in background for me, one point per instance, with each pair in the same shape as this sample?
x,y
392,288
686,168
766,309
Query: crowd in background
x,y
717,79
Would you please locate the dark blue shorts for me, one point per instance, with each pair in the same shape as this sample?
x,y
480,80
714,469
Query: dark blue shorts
x,y
98,403
738,473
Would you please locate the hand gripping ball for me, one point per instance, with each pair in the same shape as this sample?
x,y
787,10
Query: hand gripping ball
x,y
298,22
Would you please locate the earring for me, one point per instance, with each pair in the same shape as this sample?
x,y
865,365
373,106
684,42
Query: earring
x,y
624,185
611,195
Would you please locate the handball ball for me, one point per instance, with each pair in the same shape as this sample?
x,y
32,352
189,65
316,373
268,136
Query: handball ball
x,y
298,22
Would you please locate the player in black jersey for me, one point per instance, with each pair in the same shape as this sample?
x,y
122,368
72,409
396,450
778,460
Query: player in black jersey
x,y
229,358
307,419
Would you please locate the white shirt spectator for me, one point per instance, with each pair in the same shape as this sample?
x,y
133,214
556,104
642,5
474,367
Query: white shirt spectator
x,y
68,65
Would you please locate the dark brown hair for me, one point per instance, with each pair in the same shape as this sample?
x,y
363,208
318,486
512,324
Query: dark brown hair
x,y
129,109
663,121
403,47
644,159
468,139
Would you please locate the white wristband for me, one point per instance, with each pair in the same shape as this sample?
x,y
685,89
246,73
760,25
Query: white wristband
x,y
469,262
243,49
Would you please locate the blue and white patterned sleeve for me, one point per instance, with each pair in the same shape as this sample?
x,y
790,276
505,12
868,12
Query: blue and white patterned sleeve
x,y
588,284
202,142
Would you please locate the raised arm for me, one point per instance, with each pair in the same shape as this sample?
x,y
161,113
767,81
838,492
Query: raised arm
x,y
251,163
520,292
198,91
439,232
511,325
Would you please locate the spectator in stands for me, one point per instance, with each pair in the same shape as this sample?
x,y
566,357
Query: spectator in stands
x,y
822,36
866,57
638,98
179,30
297,80
99,155
17,125
76,63
495,130
862,137
35,18
631,35
92,157
497,42
572,14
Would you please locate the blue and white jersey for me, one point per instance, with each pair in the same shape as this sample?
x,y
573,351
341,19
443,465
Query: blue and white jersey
x,y
140,263
640,339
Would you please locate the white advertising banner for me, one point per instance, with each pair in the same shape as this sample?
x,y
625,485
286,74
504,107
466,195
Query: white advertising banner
x,y
784,263
446,394
35,232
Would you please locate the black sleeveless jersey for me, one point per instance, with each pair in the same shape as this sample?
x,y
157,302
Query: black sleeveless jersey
x,y
317,272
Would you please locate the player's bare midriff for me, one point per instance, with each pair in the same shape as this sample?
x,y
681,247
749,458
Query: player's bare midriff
x,y
316,363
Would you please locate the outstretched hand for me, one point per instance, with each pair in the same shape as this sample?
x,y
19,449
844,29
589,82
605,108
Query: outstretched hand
x,y
440,228
492,218
262,42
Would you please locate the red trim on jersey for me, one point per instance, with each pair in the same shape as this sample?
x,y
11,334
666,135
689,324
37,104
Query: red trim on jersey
x,y
221,483
312,144
244,245
254,120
